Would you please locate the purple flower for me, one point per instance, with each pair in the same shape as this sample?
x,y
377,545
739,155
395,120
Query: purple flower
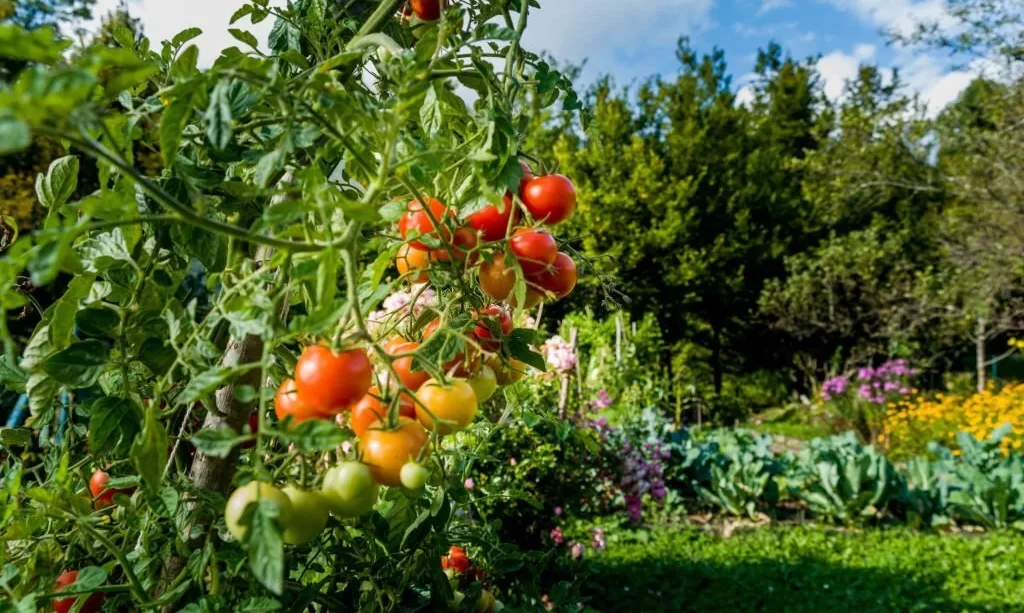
x,y
864,391
558,511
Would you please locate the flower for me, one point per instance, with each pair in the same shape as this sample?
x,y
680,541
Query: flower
x,y
512,461
558,511
577,549
469,483
559,354
557,536
603,401
597,539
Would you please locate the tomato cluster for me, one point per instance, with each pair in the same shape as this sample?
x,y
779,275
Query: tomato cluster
x,y
457,564
549,274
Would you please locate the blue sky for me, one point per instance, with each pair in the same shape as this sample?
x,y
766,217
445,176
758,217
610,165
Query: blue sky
x,y
634,39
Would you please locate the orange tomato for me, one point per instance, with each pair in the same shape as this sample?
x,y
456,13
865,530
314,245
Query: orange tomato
x,y
410,378
387,451
446,408
412,263
287,402
371,411
497,278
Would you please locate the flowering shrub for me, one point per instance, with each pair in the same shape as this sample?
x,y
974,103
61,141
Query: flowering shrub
x,y
918,420
862,399
559,354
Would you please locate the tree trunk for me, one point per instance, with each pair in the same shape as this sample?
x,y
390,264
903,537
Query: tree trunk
x,y
716,357
979,352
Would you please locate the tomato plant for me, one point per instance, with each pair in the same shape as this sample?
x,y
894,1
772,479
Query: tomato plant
x,y
278,182
103,496
550,199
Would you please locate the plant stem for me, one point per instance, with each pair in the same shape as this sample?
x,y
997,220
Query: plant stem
x,y
133,580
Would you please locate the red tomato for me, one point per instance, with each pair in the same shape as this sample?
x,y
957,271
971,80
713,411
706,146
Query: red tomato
x,y
92,604
254,427
428,10
491,319
416,219
456,560
412,263
463,242
410,378
559,279
370,411
535,249
551,199
331,382
287,402
104,496
493,224
497,278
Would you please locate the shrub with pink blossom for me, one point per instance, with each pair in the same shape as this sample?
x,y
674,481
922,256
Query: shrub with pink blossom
x,y
863,397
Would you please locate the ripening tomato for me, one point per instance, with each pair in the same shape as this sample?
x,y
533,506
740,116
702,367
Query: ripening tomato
x,y
387,451
428,10
550,199
371,410
308,516
417,219
533,298
249,493
497,278
254,428
494,224
463,242
329,382
559,278
104,496
412,263
486,604
446,408
534,248
507,372
484,384
350,490
405,367
527,177
492,324
287,402
456,560
92,603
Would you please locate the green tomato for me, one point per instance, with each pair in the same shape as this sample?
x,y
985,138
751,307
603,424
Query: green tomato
x,y
484,384
414,476
455,602
248,494
308,517
350,490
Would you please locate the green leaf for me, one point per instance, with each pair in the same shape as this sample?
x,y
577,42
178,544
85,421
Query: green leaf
x,y
78,366
185,65
265,545
242,12
113,426
245,37
42,45
519,342
315,435
15,437
430,113
98,321
184,36
89,578
207,382
217,443
284,36
269,166
219,129
42,392
11,376
149,451
14,134
173,122
157,355
166,503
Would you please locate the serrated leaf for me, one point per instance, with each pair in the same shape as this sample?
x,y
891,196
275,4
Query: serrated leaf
x,y
217,443
78,366
242,12
205,383
430,113
219,128
315,435
55,187
266,545
269,166
186,63
149,451
11,376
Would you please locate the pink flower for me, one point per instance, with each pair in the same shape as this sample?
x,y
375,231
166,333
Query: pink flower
x,y
577,550
512,461
558,511
557,536
469,483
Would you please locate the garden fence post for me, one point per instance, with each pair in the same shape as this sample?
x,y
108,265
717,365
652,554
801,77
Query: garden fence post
x,y
618,338
563,392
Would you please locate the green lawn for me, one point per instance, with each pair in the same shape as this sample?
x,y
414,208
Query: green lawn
x,y
809,570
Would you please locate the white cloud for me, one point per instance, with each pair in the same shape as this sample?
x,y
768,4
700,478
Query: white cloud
x,y
162,19
627,39
771,5
838,67
899,15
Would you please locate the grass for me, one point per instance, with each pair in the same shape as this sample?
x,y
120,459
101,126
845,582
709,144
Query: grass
x,y
808,570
